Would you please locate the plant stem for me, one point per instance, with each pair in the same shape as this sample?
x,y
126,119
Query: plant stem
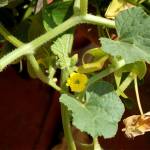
x,y
67,128
32,46
30,57
96,144
84,7
66,116
100,75
125,84
106,72
40,74
137,95
76,8
97,20
13,40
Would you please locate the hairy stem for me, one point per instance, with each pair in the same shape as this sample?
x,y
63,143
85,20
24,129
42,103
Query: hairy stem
x,y
137,95
30,57
13,40
76,8
97,20
84,7
66,116
32,46
67,128
40,74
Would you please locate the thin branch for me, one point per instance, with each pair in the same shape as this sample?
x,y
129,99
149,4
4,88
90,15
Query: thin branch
x,y
98,20
32,46
66,115
84,7
137,95
125,84
13,40
76,8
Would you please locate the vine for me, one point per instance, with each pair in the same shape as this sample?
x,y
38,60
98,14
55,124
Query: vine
x,y
89,100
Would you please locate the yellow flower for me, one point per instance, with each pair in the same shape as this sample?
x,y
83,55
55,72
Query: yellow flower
x,y
77,82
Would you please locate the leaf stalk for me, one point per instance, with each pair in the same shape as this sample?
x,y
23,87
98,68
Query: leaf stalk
x,y
125,84
84,7
137,95
66,115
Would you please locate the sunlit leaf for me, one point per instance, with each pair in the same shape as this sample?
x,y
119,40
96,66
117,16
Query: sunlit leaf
x,y
100,114
134,37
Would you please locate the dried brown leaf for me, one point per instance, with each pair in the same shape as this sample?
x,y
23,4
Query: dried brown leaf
x,y
136,125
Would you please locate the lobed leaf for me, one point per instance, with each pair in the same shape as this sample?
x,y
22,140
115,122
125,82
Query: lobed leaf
x,y
100,115
133,31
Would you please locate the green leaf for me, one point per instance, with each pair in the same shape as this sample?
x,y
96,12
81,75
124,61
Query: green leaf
x,y
134,36
61,11
62,48
55,13
100,115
